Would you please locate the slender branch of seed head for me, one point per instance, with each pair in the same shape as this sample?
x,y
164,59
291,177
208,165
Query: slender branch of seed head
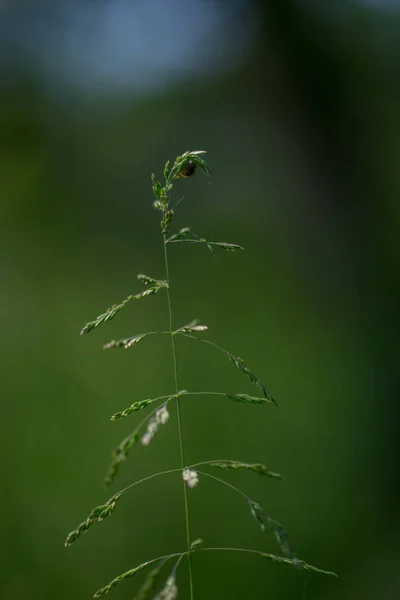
x,y
178,407
179,201
224,482
165,558
199,339
228,549
273,557
131,485
209,462
188,240
204,394
178,563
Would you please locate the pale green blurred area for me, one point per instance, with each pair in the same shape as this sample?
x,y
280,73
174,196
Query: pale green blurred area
x,y
302,142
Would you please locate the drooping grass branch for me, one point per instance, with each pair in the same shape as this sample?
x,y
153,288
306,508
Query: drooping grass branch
x,y
145,431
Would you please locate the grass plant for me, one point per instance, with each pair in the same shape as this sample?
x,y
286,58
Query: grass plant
x,y
155,587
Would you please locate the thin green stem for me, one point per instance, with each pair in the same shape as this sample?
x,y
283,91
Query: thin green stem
x,y
204,394
224,482
210,462
193,337
232,549
128,487
295,562
178,408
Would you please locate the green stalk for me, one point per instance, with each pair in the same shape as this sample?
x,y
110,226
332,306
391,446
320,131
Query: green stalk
x,y
178,408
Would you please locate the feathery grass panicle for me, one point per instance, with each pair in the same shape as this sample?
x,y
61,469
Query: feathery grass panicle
x,y
181,234
183,167
181,237
234,465
226,246
249,399
125,343
120,579
106,316
194,327
295,562
239,364
96,515
119,456
282,537
132,572
258,513
111,312
147,280
268,524
136,406
141,404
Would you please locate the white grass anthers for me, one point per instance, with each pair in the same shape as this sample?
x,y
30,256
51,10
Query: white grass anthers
x,y
169,591
184,166
160,418
190,476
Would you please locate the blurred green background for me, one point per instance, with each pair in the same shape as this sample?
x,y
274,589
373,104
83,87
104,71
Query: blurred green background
x,y
298,106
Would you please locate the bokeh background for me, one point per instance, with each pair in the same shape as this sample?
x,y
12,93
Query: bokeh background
x,y
298,105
